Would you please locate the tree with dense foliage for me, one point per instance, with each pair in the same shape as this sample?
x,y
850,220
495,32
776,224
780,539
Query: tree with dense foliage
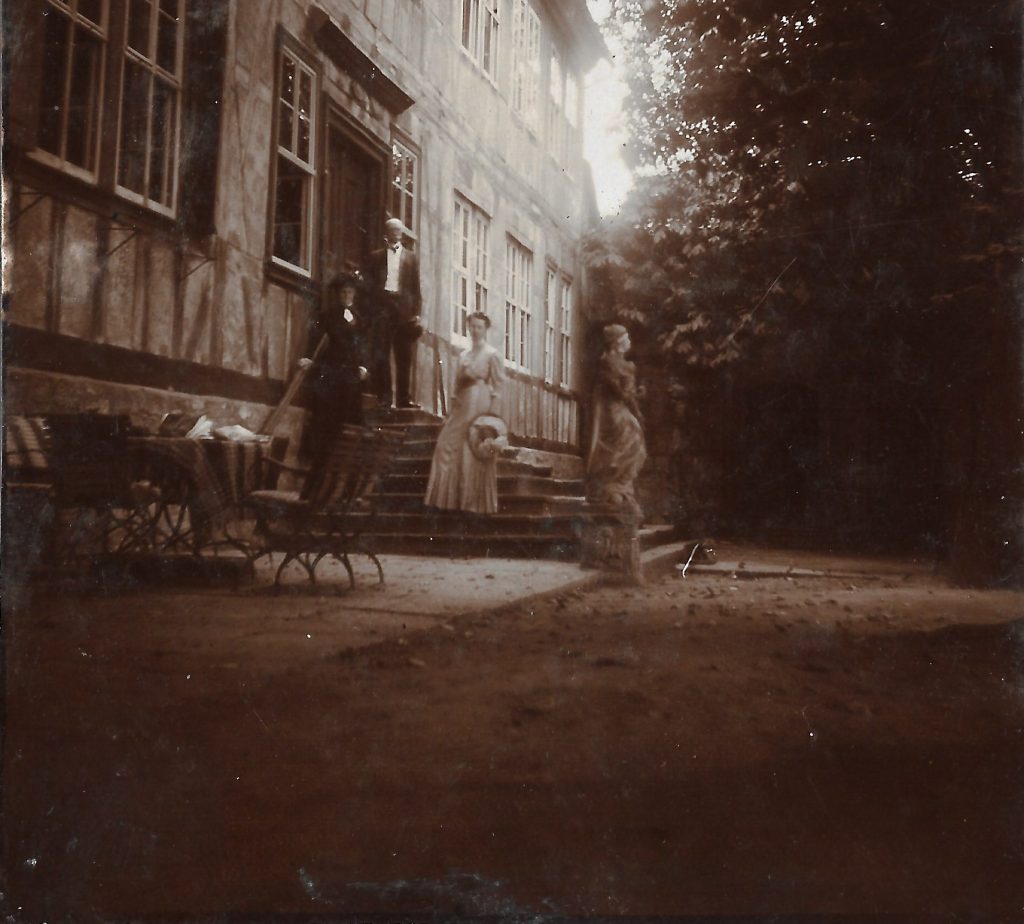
x,y
836,181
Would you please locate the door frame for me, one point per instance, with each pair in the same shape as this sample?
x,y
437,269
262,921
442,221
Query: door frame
x,y
338,120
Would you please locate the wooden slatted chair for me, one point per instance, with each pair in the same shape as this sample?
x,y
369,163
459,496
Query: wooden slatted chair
x,y
327,517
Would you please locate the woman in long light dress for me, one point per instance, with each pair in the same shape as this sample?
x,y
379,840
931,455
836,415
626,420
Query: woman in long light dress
x,y
458,479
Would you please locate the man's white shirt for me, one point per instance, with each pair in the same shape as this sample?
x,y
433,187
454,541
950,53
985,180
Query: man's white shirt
x,y
394,261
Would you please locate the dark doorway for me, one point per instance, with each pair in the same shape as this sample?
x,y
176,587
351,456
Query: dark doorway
x,y
353,202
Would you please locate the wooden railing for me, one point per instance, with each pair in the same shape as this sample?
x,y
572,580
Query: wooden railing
x,y
537,410
534,410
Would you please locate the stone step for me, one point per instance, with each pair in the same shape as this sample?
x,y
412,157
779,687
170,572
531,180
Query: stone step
x,y
399,417
416,449
506,467
508,485
423,448
430,523
420,444
416,431
651,536
498,545
563,464
512,503
455,546
433,524
540,497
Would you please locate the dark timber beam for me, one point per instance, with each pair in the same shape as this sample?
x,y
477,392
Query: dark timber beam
x,y
350,58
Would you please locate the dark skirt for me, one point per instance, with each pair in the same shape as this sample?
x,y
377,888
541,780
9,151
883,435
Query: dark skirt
x,y
333,402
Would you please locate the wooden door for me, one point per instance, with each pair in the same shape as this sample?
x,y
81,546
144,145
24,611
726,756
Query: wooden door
x,y
352,205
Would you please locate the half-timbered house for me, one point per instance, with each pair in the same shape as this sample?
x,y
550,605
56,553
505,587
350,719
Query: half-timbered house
x,y
184,177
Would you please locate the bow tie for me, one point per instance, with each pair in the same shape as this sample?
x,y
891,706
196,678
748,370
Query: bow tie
x,y
394,247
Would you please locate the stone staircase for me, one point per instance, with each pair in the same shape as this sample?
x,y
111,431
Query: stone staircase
x,y
540,496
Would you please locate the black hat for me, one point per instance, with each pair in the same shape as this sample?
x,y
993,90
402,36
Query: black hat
x,y
345,279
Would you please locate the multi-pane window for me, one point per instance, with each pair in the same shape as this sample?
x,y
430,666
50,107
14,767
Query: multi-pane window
x,y
151,101
470,238
556,113
75,38
404,189
572,116
480,33
551,308
295,167
558,331
139,78
481,237
565,333
518,311
525,61
572,99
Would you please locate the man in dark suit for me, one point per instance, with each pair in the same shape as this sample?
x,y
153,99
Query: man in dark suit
x,y
393,275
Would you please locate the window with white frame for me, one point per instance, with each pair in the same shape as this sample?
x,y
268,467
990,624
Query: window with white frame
x,y
565,333
151,102
295,164
525,61
480,33
572,116
551,308
572,98
471,230
404,184
556,103
518,308
75,37
132,91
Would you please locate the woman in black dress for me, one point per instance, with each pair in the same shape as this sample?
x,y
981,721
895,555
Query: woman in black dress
x,y
335,381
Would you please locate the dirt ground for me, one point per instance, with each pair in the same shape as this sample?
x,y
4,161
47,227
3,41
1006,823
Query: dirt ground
x,y
704,745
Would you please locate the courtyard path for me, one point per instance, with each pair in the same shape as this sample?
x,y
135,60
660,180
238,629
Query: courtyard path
x,y
718,744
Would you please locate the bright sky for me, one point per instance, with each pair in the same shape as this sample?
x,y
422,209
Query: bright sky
x,y
604,134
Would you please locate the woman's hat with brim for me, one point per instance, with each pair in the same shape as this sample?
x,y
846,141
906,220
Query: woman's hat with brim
x,y
487,436
345,279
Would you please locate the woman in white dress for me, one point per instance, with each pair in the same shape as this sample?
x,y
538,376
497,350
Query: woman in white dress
x,y
458,479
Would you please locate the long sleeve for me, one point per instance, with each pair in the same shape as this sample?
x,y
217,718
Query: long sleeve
x,y
496,375
413,279
462,379
315,333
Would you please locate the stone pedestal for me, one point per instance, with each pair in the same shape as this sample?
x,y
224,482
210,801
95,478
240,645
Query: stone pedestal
x,y
609,540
